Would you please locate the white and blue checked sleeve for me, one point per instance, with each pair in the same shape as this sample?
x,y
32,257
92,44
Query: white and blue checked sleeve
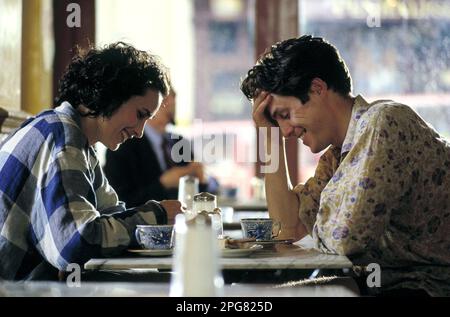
x,y
68,226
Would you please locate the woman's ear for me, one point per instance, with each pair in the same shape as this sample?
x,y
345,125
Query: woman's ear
x,y
83,109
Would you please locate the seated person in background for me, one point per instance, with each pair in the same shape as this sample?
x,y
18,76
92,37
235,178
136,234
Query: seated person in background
x,y
380,193
144,168
56,206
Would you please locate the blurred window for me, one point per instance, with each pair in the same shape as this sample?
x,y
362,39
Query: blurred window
x,y
394,49
223,36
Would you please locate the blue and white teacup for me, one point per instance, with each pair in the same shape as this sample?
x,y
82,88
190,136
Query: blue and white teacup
x,y
261,229
156,237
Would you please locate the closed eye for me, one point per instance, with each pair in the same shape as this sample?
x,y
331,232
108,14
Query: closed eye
x,y
143,115
282,116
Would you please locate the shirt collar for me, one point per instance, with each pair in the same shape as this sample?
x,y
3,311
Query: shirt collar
x,y
360,106
66,109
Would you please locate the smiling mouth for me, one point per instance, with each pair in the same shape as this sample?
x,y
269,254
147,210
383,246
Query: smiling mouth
x,y
125,135
302,135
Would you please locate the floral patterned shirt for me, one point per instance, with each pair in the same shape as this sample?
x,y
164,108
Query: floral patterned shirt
x,y
384,197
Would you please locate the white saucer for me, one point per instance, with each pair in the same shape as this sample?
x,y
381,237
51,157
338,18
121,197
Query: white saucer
x,y
272,242
239,253
147,252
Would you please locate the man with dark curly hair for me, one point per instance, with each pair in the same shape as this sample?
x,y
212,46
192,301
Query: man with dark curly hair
x,y
56,206
380,190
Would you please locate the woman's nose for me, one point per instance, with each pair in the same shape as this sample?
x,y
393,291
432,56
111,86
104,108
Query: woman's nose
x,y
139,131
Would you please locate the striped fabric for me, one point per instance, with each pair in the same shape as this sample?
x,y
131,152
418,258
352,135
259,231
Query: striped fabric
x,y
56,206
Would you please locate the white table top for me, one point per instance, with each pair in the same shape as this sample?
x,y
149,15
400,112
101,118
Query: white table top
x,y
120,289
284,257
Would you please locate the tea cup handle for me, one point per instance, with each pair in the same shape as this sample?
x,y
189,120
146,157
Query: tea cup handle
x,y
136,235
277,227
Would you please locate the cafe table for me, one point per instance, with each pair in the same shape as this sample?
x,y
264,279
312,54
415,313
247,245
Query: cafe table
x,y
297,256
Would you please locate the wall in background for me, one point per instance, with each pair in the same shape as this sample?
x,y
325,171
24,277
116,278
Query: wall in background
x,y
10,50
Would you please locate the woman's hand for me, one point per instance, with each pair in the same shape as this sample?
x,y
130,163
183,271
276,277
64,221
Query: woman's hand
x,y
173,208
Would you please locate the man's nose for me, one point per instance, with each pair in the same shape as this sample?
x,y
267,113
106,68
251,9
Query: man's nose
x,y
286,130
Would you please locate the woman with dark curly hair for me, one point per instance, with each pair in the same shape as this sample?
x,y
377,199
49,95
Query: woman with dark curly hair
x,y
56,206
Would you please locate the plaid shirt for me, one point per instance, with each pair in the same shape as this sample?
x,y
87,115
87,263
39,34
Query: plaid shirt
x,y
56,206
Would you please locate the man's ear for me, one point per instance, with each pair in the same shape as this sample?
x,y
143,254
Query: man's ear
x,y
318,86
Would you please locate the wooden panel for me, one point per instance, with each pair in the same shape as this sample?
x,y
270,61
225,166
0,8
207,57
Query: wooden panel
x,y
37,40
10,50
66,38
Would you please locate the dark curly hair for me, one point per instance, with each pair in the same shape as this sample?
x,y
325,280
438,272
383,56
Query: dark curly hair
x,y
103,79
288,68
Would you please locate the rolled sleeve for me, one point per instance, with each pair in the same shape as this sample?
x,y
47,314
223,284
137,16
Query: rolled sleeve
x,y
310,192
